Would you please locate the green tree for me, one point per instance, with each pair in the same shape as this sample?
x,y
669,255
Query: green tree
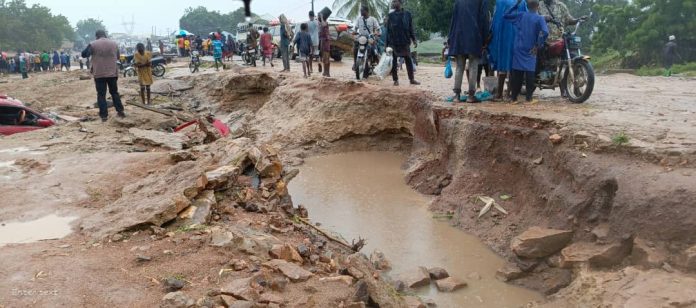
x,y
200,21
351,8
31,28
86,28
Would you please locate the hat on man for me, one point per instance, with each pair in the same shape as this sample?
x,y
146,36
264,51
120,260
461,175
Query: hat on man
x,y
672,37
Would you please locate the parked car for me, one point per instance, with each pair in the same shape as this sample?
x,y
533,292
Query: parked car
x,y
17,118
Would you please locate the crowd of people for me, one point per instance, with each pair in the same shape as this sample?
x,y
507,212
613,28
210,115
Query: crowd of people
x,y
206,46
22,62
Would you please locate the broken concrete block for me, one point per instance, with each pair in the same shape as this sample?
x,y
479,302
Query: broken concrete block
x,y
539,242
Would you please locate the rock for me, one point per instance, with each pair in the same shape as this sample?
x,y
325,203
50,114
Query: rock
x,y
646,255
601,232
239,265
429,303
438,273
413,302
222,177
117,237
582,136
449,284
172,284
198,212
227,300
270,298
380,293
278,283
548,281
379,260
221,238
240,289
143,258
182,155
687,259
285,252
556,139
509,272
538,161
205,302
303,250
347,280
538,242
177,300
290,270
417,278
594,254
241,304
154,200
266,161
399,285
173,141
362,293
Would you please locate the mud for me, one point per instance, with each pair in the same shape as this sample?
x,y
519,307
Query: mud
x,y
45,228
363,194
582,181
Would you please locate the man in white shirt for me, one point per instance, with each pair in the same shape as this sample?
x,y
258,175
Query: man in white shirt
x,y
364,26
313,26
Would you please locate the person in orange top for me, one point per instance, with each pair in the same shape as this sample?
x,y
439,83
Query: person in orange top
x,y
180,43
267,46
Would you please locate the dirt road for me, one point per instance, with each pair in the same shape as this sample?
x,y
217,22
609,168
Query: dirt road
x,y
118,171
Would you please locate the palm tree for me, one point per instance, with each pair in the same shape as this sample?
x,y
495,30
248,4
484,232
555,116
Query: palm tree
x,y
351,8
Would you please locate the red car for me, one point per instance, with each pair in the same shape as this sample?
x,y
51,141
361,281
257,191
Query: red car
x,y
17,118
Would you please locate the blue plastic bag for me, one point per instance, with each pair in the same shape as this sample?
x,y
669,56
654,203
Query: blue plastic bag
x,y
448,69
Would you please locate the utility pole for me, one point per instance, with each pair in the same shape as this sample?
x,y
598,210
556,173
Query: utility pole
x,y
313,6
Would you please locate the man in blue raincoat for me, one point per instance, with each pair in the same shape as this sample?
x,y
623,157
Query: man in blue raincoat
x,y
531,35
502,41
468,34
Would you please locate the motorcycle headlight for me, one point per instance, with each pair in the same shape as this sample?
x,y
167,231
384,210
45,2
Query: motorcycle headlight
x,y
362,40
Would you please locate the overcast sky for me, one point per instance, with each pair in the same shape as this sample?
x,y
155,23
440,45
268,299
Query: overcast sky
x,y
165,14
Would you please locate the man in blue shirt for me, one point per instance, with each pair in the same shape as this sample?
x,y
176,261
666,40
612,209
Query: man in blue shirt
x,y
531,33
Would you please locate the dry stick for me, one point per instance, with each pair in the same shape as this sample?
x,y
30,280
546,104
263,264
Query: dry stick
x,y
329,236
160,111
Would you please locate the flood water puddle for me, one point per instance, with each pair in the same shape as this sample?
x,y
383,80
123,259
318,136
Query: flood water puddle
x,y
364,194
44,228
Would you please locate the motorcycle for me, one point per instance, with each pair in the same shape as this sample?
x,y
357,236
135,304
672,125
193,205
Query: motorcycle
x,y
367,57
249,56
195,61
157,64
565,67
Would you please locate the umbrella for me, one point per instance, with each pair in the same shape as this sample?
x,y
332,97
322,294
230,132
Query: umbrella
x,y
185,33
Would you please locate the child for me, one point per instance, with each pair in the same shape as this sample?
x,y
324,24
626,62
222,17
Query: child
x,y
267,46
528,26
217,54
303,41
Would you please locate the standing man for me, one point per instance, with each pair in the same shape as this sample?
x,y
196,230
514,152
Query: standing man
x,y
56,61
365,25
670,55
324,45
557,10
161,47
105,54
253,38
148,45
313,25
502,41
468,34
285,37
401,35
530,37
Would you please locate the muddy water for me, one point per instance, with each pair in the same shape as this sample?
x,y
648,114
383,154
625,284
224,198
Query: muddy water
x,y
364,194
45,228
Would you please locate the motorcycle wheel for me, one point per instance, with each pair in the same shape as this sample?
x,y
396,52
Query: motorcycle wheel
x,y
580,89
359,68
366,70
193,67
129,73
158,70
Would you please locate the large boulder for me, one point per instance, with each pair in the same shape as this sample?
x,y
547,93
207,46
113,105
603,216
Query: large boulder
x,y
594,254
154,200
539,242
